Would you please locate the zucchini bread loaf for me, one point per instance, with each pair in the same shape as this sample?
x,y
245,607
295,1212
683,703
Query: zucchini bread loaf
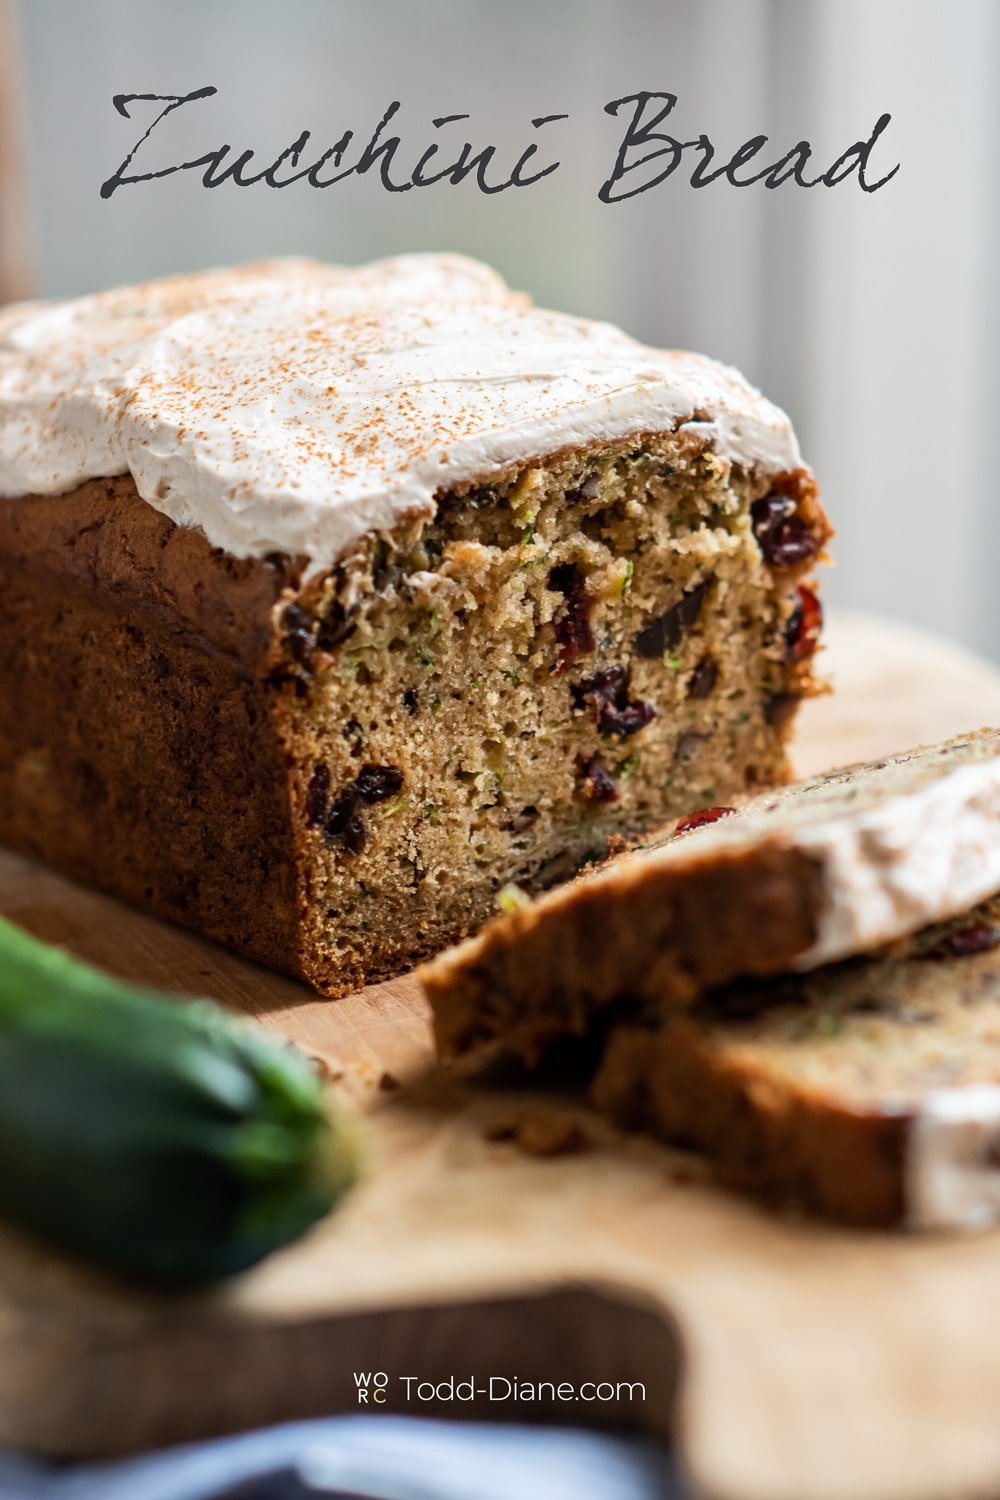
x,y
333,600
867,1090
793,879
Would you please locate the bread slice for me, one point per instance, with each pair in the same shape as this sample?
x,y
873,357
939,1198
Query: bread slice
x,y
867,1090
794,879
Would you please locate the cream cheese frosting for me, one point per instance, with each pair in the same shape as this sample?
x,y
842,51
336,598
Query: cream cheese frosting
x,y
925,854
899,844
952,1176
290,406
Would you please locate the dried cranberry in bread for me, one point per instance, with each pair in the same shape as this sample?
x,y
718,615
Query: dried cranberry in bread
x,y
323,615
792,879
868,1090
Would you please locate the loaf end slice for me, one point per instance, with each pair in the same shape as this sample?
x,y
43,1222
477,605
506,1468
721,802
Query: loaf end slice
x,y
867,1091
793,878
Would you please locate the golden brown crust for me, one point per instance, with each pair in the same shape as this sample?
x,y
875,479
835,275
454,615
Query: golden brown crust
x,y
103,538
192,723
527,980
845,1163
143,755
806,1087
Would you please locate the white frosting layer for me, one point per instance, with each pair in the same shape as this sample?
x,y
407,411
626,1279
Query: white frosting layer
x,y
899,844
897,865
291,406
952,1166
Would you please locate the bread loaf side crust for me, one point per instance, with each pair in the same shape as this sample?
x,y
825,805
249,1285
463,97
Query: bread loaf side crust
x,y
845,1164
334,772
670,934
867,1091
140,751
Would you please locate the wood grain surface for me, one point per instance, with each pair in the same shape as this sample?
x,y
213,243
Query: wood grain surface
x,y
789,1360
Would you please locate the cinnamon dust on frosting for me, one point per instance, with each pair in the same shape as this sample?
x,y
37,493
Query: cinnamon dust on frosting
x,y
290,406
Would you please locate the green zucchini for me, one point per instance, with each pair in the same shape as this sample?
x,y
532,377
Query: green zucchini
x,y
158,1137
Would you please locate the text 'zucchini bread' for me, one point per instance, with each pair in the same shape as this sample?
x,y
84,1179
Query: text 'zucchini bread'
x,y
333,600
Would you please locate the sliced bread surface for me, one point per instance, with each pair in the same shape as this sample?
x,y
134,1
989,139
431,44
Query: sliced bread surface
x,y
793,879
868,1091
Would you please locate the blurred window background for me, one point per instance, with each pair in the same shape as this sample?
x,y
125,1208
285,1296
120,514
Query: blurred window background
x,y
873,318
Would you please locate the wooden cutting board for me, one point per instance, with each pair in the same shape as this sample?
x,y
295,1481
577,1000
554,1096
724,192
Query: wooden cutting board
x,y
790,1361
